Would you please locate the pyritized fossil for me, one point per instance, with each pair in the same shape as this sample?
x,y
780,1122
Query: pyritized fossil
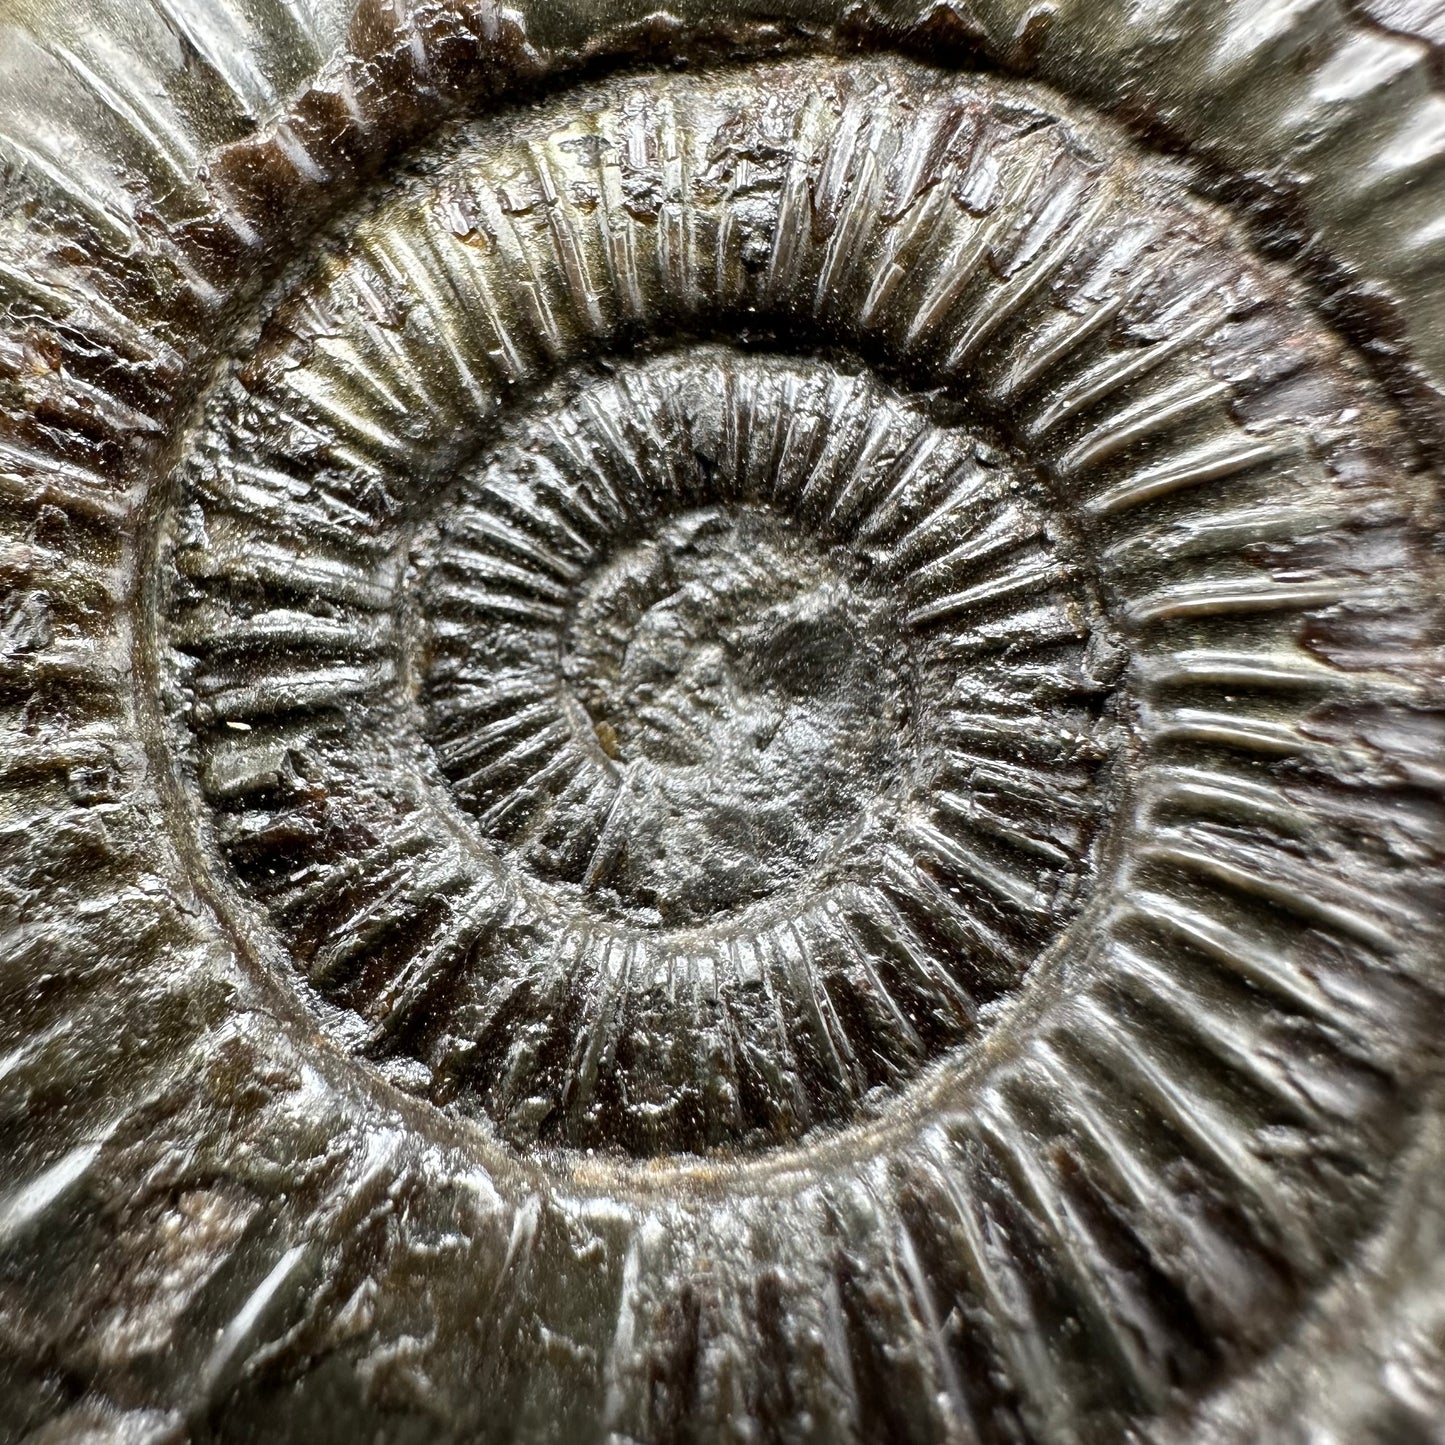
x,y
724,728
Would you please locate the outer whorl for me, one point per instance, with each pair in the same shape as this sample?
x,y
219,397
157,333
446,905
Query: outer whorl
x,y
724,728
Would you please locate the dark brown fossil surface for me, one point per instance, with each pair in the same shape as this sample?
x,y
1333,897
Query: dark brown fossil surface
x,y
721,725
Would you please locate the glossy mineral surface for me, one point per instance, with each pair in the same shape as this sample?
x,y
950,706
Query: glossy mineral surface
x,y
725,730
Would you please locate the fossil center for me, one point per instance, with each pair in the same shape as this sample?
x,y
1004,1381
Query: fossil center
x,y
748,691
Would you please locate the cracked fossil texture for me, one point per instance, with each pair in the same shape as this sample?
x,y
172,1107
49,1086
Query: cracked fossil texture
x,y
720,725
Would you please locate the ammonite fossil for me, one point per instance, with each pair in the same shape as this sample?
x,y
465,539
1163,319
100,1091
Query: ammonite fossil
x,y
721,724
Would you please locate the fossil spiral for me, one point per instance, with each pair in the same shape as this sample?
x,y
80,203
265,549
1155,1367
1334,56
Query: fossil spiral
x,y
720,725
